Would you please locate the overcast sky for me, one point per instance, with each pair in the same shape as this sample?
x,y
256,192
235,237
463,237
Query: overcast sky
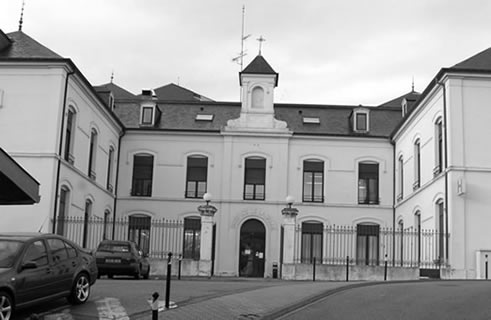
x,y
325,51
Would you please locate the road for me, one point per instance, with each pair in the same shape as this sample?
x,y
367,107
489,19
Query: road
x,y
416,300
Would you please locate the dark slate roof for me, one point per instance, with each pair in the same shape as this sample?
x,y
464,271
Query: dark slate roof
x,y
411,98
174,92
480,61
23,46
334,120
258,66
118,92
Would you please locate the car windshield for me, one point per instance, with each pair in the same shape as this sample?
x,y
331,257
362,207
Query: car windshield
x,y
114,247
8,252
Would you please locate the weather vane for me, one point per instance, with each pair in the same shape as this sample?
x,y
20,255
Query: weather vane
x,y
240,58
261,40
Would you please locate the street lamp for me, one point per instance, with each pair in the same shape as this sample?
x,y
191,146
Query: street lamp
x,y
289,211
207,197
207,209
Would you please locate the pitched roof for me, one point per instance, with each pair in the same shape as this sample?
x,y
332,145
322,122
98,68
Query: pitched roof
x,y
118,92
23,46
174,92
480,61
258,66
411,98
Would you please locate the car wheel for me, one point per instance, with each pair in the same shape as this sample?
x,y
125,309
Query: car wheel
x,y
6,306
110,276
80,290
147,275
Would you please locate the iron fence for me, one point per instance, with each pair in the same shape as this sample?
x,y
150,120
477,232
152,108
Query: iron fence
x,y
157,237
369,245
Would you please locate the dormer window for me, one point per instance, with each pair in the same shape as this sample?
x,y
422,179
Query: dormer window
x,y
361,121
147,115
404,107
204,117
111,101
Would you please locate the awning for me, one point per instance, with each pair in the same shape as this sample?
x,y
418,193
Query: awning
x,y
17,186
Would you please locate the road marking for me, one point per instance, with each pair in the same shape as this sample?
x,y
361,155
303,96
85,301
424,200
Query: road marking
x,y
111,309
63,315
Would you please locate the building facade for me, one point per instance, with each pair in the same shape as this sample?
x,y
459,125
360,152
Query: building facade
x,y
102,153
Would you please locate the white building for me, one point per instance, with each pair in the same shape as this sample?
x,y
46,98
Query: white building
x,y
104,152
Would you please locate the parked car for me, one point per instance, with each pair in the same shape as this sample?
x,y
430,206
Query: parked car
x,y
36,267
116,257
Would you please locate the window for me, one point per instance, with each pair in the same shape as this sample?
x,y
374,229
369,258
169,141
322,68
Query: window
x,y
139,231
368,183
92,153
438,147
417,224
417,165
147,115
110,160
197,170
105,232
87,215
257,98
255,176
400,195
367,244
36,253
442,239
313,181
361,121
62,211
58,250
192,236
111,101
311,242
70,126
401,241
204,117
312,120
142,175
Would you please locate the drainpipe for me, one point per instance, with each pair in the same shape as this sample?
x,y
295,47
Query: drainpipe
x,y
60,149
393,203
116,183
445,162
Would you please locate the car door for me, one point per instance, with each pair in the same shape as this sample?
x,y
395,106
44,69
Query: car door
x,y
63,265
35,274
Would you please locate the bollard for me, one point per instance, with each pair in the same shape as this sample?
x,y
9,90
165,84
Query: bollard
x,y
486,267
155,306
179,270
385,268
167,285
313,271
347,268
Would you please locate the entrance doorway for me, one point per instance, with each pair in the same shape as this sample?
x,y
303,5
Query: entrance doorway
x,y
252,249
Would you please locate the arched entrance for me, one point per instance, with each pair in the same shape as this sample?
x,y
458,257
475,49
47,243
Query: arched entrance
x,y
252,249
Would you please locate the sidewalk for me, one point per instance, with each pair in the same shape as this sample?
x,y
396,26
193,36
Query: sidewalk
x,y
267,302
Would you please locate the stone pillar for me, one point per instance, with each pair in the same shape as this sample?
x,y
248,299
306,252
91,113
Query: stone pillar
x,y
207,212
289,219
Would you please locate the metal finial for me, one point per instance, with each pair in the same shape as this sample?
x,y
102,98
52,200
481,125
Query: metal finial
x,y
412,85
21,15
112,76
261,40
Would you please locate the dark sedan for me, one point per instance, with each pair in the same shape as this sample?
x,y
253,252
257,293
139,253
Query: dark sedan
x,y
36,267
122,258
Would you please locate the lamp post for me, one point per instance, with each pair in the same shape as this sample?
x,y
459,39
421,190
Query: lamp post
x,y
289,219
207,212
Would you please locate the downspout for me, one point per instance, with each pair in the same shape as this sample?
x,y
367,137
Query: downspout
x,y
393,202
116,184
60,149
445,161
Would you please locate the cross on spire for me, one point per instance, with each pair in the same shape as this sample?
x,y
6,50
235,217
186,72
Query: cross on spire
x,y
261,40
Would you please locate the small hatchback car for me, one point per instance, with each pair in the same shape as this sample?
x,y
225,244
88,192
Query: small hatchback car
x,y
116,257
36,267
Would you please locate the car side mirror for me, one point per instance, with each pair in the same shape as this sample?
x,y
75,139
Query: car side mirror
x,y
29,265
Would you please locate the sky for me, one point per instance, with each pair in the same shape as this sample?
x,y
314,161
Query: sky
x,y
345,52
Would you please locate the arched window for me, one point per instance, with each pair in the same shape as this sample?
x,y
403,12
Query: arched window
x,y
69,136
92,153
62,210
257,98
438,147
139,231
368,183
255,178
110,160
87,215
367,244
400,195
142,175
196,176
105,233
313,181
192,238
417,165
417,226
442,231
311,242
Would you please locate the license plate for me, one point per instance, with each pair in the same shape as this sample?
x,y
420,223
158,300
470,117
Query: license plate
x,y
113,260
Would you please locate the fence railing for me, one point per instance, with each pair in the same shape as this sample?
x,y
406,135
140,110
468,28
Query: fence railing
x,y
157,237
370,246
